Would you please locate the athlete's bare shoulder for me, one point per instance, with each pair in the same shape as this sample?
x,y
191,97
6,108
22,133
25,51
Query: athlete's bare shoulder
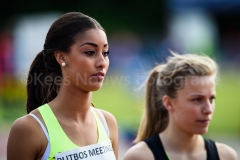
x,y
26,139
140,151
225,152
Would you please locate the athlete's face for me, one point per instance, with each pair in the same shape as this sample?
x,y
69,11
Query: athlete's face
x,y
87,62
194,104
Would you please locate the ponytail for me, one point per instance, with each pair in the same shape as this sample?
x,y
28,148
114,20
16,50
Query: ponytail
x,y
41,82
155,116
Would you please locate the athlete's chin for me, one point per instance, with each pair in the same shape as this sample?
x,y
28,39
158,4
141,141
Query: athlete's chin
x,y
202,130
95,87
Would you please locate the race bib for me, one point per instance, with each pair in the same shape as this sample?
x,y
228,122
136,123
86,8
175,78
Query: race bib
x,y
99,151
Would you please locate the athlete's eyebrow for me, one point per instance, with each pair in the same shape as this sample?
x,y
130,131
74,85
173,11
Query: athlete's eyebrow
x,y
201,95
195,95
93,44
89,43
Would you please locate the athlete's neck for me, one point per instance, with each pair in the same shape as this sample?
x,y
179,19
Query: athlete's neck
x,y
177,140
72,102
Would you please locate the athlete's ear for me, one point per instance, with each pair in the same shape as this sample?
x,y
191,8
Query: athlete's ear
x,y
167,102
60,57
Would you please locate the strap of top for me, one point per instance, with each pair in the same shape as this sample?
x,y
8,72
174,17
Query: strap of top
x,y
43,128
155,145
47,151
102,135
104,122
212,153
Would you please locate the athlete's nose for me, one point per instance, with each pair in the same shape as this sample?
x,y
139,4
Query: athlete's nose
x,y
208,108
102,61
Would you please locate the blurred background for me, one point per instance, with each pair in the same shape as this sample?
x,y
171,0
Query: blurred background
x,y
140,34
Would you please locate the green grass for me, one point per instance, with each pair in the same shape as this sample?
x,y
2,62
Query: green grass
x,y
121,103
226,118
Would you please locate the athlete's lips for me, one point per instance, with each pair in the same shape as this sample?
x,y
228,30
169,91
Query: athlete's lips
x,y
204,121
99,74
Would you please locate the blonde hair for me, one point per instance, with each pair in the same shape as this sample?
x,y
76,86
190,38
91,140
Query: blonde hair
x,y
165,79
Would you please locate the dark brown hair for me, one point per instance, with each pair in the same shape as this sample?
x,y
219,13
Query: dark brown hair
x,y
60,37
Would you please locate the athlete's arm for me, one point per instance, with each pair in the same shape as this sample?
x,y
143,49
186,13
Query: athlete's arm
x,y
225,152
113,130
25,141
139,152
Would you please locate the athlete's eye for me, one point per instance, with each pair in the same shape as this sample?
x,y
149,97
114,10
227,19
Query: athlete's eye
x,y
212,99
105,54
197,100
90,53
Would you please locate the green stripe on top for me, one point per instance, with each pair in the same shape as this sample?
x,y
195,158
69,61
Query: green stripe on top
x,y
59,141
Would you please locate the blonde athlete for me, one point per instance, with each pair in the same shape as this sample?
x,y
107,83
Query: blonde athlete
x,y
61,123
179,107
